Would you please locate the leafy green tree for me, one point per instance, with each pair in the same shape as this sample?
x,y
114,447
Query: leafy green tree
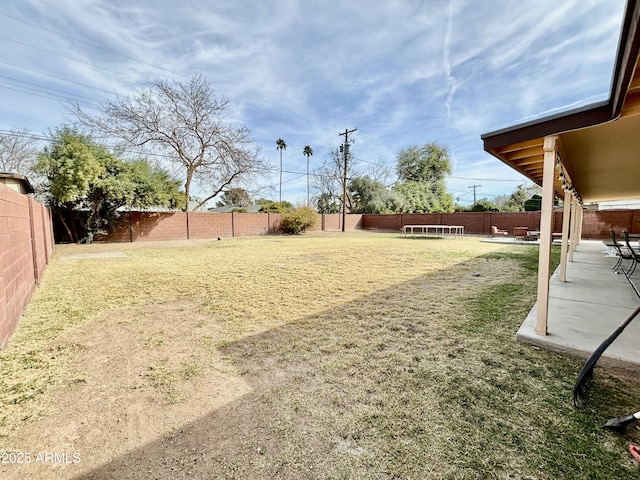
x,y
534,204
371,196
484,205
423,169
428,163
327,203
235,196
151,186
518,198
269,206
418,197
85,184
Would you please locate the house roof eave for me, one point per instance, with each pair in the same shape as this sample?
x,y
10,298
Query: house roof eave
x,y
589,115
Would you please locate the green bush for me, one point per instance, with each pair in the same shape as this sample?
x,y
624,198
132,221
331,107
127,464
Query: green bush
x,y
269,206
297,221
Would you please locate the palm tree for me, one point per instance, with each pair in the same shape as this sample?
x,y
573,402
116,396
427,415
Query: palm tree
x,y
281,145
308,151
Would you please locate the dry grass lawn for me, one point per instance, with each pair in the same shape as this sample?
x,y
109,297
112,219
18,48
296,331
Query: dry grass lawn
x,y
336,356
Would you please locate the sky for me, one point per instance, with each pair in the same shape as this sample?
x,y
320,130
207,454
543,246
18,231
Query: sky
x,y
401,72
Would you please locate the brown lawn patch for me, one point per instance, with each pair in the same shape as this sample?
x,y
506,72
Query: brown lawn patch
x,y
323,356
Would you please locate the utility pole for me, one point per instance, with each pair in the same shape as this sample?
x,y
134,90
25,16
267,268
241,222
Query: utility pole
x,y
345,152
474,192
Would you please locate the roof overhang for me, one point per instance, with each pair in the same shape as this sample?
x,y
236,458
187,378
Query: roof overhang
x,y
599,143
15,178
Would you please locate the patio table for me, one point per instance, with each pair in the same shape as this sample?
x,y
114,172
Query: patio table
x,y
425,229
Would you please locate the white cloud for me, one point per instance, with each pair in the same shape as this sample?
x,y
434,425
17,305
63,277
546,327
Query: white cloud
x,y
405,72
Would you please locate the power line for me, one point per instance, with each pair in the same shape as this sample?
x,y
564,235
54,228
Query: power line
x,y
46,88
50,52
114,52
47,95
55,76
91,44
485,179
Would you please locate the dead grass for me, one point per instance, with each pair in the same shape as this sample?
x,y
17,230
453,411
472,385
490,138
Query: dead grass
x,y
364,356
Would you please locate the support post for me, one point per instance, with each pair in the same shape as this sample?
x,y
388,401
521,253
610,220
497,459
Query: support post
x,y
579,222
546,224
566,218
574,228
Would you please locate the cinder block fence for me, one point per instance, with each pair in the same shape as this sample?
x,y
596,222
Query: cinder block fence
x,y
27,239
146,226
26,245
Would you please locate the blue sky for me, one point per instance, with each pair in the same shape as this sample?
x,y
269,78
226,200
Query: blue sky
x,y
404,72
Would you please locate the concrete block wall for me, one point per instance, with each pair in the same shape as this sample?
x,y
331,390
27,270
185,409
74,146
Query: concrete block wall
x,y
382,222
158,226
596,223
207,225
176,225
26,245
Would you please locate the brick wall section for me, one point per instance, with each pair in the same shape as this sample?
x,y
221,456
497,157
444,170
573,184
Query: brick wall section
x,y
148,226
596,223
173,225
250,224
353,222
474,223
26,244
207,225
41,236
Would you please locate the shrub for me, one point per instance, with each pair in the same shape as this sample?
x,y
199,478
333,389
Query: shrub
x,y
296,221
275,207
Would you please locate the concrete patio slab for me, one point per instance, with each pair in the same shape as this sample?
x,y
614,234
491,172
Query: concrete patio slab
x,y
587,308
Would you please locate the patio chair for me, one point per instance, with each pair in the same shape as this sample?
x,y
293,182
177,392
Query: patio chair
x,y
635,253
623,253
520,233
496,232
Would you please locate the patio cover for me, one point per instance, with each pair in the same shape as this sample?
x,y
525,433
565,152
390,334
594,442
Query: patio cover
x,y
590,154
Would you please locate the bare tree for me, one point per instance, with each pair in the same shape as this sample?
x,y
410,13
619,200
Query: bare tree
x,y
18,151
328,182
185,122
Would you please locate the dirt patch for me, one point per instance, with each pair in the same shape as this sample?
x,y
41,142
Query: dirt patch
x,y
141,375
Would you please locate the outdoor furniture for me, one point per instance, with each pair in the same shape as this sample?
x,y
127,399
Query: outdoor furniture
x,y
425,229
519,233
635,254
611,249
623,254
496,232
